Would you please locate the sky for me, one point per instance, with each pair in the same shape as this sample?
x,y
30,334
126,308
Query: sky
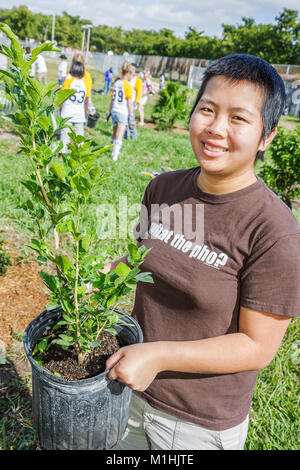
x,y
176,15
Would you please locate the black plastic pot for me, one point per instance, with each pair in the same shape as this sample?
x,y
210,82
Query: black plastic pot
x,y
92,119
88,414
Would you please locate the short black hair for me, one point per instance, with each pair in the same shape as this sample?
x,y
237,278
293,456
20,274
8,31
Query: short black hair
x,y
77,69
238,67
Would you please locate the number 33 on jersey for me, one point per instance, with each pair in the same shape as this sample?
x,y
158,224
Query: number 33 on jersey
x,y
73,107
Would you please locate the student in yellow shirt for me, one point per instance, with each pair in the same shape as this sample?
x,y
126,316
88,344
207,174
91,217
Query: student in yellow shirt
x,y
121,108
137,86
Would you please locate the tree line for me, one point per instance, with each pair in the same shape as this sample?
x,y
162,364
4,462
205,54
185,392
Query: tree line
x,y
278,43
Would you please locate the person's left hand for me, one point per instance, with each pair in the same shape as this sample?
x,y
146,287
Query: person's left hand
x,y
135,365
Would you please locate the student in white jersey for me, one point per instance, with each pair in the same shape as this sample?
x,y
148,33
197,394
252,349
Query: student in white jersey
x,y
62,69
121,107
75,107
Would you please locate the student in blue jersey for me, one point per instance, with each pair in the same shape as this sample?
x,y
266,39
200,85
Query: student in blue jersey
x,y
76,106
226,281
121,108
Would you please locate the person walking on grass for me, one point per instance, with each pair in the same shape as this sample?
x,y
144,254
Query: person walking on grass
x,y
147,89
121,108
137,88
27,56
108,77
62,69
76,106
226,280
41,69
161,81
79,57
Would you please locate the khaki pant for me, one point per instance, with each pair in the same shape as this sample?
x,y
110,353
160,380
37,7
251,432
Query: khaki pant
x,y
42,77
151,429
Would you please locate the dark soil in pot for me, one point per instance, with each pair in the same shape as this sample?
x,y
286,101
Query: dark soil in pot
x,y
64,364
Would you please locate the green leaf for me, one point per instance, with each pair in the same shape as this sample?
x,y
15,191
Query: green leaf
x,y
67,339
6,74
63,95
62,343
111,331
42,345
46,46
30,114
15,46
44,122
122,269
144,277
6,51
96,343
58,170
51,305
49,280
85,243
47,88
132,250
63,262
62,215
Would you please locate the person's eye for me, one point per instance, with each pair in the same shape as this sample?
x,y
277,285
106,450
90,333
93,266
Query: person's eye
x,y
239,118
205,109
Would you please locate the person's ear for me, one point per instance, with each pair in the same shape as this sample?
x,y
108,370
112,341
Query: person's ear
x,y
266,142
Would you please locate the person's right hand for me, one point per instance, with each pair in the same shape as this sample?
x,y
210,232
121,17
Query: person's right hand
x,y
106,268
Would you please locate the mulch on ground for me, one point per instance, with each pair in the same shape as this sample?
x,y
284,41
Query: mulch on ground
x,y
22,297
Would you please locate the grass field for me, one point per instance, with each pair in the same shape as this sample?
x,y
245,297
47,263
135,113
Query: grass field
x,y
274,415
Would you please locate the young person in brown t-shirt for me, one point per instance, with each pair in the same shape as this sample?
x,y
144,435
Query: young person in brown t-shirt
x,y
225,260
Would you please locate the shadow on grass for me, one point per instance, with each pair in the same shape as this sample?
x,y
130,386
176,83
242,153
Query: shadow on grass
x,y
16,427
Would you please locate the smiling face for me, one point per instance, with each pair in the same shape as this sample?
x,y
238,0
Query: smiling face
x,y
226,128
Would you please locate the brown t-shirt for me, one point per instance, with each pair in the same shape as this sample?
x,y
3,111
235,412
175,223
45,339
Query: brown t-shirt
x,y
210,255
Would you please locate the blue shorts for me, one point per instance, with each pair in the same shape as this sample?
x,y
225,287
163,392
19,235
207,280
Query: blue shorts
x,y
118,118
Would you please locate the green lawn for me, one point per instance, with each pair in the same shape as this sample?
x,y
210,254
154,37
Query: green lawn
x,y
274,417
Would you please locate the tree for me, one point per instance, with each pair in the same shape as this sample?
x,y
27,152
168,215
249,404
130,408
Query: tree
x,y
276,43
20,20
287,31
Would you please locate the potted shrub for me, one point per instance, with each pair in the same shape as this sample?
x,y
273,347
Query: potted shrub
x,y
75,406
282,175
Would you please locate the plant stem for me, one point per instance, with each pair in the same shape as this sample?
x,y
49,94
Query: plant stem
x,y
99,331
37,172
80,356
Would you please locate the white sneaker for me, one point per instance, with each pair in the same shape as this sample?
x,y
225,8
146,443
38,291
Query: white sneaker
x,y
115,158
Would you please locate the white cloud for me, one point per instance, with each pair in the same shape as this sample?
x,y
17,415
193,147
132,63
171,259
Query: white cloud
x,y
176,15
